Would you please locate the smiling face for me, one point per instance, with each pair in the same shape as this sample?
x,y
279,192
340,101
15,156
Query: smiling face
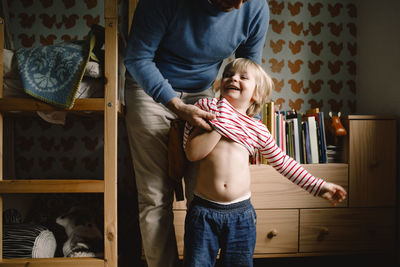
x,y
246,86
228,5
238,86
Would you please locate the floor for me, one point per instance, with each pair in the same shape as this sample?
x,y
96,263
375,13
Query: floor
x,y
362,260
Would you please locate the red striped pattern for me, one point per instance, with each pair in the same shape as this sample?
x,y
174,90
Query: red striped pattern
x,y
254,135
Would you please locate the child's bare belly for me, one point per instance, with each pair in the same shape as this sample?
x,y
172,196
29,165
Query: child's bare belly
x,y
224,174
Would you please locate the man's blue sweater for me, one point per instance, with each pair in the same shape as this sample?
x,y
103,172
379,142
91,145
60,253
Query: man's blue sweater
x,y
179,45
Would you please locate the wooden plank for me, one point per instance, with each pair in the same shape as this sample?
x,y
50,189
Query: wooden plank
x,y
51,186
271,190
53,262
371,117
110,143
30,104
110,9
373,153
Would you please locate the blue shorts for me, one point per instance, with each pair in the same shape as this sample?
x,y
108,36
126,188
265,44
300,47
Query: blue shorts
x,y
210,226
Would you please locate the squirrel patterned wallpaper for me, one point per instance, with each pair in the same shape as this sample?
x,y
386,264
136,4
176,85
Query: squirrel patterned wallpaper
x,y
310,51
45,22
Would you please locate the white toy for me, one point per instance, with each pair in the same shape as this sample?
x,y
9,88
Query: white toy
x,y
84,237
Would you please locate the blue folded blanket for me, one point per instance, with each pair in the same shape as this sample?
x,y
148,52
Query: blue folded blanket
x,y
53,73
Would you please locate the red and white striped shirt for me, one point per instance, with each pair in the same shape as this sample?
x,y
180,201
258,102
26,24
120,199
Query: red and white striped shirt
x,y
253,134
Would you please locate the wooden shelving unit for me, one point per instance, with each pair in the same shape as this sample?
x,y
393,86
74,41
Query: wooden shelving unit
x,y
109,107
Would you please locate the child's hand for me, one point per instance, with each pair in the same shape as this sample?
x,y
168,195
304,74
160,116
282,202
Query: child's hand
x,y
333,193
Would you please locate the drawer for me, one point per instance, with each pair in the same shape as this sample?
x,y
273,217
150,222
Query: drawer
x,y
277,231
271,190
370,229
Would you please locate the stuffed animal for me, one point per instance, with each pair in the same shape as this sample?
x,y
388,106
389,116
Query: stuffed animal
x,y
84,237
336,130
336,125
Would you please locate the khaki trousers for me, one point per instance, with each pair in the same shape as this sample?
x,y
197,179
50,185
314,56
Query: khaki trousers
x,y
147,124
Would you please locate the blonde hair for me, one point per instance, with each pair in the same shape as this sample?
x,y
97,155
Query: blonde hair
x,y
264,83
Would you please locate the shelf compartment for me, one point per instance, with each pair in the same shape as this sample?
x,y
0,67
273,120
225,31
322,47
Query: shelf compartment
x,y
51,186
52,262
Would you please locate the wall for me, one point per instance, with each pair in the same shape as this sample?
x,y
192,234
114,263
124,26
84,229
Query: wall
x,y
379,63
378,57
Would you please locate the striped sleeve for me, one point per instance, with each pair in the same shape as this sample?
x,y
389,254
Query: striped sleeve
x,y
286,165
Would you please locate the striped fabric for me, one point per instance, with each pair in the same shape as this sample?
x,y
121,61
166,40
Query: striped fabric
x,y
254,135
28,241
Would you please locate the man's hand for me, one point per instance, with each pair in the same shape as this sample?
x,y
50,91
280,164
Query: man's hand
x,y
191,113
333,193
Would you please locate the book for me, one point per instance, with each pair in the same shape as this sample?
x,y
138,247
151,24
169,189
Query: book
x,y
300,130
283,130
303,144
289,144
319,141
323,137
307,143
268,118
277,129
295,139
312,127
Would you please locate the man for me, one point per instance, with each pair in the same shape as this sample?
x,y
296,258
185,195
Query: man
x,y
174,52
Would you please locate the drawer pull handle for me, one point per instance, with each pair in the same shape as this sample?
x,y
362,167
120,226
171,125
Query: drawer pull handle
x,y
324,231
272,233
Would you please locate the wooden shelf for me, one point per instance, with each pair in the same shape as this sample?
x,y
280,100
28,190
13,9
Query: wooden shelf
x,y
51,186
29,104
52,262
371,117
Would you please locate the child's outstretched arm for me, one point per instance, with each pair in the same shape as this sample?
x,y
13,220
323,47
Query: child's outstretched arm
x,y
200,143
333,193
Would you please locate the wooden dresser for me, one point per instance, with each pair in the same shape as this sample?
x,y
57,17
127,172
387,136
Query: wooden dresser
x,y
291,222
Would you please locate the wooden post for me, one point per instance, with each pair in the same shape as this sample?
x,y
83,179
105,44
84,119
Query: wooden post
x,y
110,141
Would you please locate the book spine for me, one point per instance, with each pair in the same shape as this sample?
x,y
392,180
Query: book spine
x,y
308,147
323,137
313,139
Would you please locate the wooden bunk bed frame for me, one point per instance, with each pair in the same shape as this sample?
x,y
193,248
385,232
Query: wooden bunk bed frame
x,y
111,107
